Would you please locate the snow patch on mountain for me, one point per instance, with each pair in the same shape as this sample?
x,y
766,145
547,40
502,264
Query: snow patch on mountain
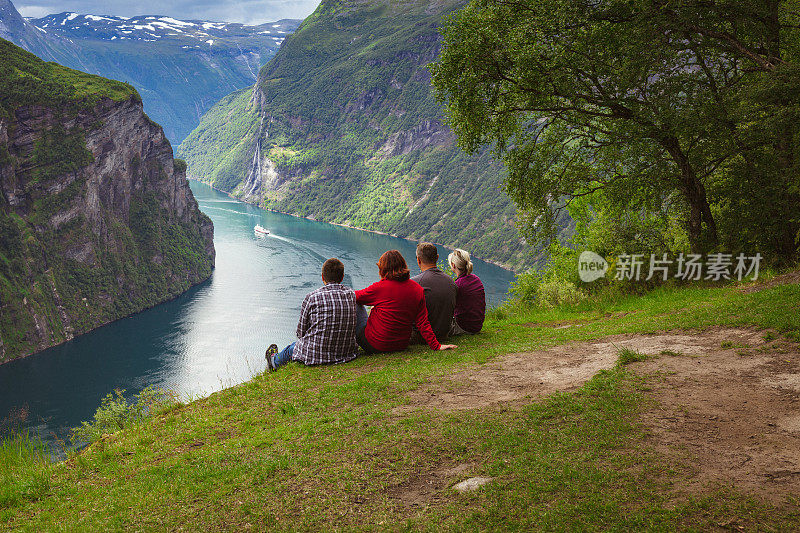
x,y
154,27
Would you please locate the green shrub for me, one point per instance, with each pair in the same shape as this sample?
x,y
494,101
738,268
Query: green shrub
x,y
498,313
555,292
557,284
116,412
525,286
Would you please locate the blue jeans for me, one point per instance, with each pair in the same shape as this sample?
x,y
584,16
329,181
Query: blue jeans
x,y
361,325
284,356
361,317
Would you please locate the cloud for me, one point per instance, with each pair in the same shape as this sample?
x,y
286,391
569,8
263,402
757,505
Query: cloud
x,y
245,11
33,11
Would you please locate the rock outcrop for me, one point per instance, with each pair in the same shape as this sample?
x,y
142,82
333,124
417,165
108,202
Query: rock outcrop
x,y
97,220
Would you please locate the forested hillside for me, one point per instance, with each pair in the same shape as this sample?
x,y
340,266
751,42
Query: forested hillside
x,y
97,220
343,126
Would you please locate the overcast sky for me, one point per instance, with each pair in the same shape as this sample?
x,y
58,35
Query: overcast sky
x,y
247,11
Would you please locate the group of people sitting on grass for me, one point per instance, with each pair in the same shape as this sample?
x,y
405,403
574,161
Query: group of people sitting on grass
x,y
428,308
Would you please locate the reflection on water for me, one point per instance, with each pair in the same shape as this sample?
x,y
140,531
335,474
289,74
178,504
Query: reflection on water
x,y
214,335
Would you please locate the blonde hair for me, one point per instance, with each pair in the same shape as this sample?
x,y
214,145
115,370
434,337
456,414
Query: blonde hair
x,y
459,259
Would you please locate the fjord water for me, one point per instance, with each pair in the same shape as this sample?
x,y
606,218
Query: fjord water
x,y
214,335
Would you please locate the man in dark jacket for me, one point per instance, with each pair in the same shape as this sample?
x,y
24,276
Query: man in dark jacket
x,y
440,292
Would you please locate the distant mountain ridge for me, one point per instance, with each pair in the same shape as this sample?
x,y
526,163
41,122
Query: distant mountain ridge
x,y
343,127
152,28
180,68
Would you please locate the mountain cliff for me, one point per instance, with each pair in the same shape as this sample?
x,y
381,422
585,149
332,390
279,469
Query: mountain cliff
x,y
181,68
96,218
343,126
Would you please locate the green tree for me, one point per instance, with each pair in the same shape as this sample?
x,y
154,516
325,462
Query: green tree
x,y
651,102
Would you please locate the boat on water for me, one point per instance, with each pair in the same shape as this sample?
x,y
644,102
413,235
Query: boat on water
x,y
261,230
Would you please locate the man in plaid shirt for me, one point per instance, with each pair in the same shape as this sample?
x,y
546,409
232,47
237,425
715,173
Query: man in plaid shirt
x,y
326,332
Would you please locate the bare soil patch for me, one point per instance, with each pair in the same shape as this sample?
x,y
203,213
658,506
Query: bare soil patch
x,y
727,401
428,487
561,368
732,415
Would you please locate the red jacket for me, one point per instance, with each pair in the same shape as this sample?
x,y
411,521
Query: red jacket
x,y
396,305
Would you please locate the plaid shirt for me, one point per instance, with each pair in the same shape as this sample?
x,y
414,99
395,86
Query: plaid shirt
x,y
326,332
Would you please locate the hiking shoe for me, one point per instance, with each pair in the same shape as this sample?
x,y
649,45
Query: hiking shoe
x,y
272,351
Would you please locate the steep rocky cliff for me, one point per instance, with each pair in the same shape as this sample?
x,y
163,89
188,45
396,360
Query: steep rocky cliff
x,y
343,126
96,218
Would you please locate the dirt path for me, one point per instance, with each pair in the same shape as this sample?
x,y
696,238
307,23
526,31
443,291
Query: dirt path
x,y
727,401
782,279
566,367
732,415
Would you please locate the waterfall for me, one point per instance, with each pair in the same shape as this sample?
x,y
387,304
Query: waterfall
x,y
253,180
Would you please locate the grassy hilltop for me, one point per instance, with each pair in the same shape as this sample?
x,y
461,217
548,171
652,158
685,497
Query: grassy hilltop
x,y
27,80
585,417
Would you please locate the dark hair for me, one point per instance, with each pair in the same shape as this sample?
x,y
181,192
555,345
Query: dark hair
x,y
333,271
428,253
392,266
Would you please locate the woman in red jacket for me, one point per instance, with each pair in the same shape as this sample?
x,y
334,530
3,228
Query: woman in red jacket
x,y
397,304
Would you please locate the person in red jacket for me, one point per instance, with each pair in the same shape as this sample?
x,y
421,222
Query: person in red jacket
x,y
397,303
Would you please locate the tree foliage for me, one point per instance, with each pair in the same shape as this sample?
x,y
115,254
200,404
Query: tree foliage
x,y
686,104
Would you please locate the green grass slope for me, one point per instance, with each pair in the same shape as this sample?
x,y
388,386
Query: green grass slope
x,y
343,126
339,447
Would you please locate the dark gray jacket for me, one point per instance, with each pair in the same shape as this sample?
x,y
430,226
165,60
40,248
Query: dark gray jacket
x,y
440,299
